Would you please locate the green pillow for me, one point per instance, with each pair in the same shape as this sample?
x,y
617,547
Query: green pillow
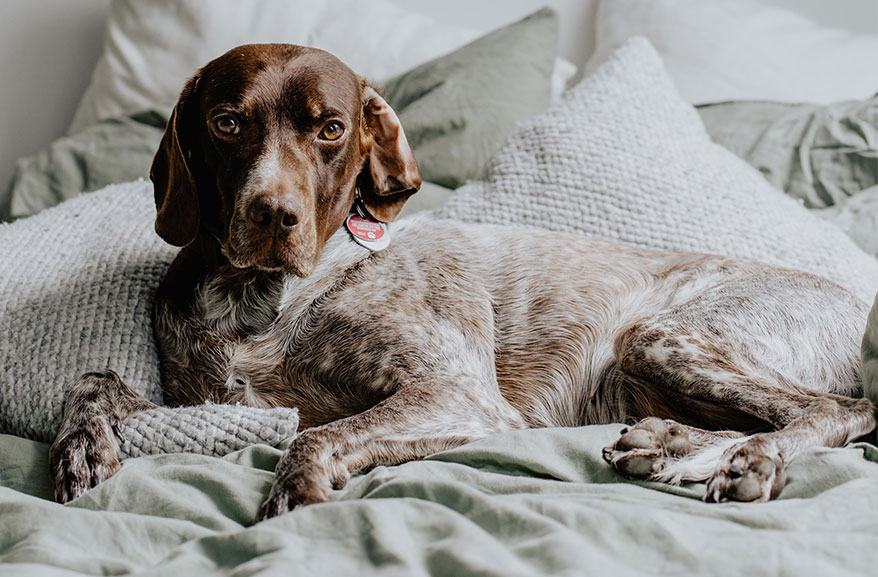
x,y
111,151
820,154
456,110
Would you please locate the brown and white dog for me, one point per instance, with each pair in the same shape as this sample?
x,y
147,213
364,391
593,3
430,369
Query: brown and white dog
x,y
454,332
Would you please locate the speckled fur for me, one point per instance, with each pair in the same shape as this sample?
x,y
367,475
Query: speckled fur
x,y
456,332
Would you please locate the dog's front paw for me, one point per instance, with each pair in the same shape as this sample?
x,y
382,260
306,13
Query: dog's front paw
x,y
750,471
84,454
644,449
306,475
298,487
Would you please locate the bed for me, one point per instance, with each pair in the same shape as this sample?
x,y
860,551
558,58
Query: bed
x,y
756,169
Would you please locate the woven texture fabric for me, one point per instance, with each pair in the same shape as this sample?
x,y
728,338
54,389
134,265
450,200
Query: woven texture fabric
x,y
75,295
623,157
206,429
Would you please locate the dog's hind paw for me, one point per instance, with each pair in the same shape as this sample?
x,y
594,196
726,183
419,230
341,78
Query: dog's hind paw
x,y
749,471
645,449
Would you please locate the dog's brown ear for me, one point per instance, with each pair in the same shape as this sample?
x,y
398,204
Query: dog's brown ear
x,y
176,196
391,173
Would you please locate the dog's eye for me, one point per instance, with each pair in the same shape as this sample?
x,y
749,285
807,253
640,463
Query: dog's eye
x,y
227,124
332,131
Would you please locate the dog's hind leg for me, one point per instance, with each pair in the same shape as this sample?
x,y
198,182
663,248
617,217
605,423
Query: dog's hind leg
x,y
707,360
86,449
737,467
753,470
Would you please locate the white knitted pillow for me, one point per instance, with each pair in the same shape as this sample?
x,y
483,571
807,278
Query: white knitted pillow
x,y
76,290
623,157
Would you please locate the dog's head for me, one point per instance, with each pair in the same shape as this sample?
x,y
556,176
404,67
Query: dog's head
x,y
265,151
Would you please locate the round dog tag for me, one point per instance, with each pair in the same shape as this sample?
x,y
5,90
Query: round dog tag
x,y
370,233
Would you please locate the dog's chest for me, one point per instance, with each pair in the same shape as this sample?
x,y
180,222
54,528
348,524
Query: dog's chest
x,y
275,342
238,349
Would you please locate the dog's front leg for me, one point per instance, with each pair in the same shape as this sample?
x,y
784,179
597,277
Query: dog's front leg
x,y
86,450
416,421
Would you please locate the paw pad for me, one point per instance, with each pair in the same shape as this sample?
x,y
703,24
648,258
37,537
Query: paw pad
x,y
751,471
644,449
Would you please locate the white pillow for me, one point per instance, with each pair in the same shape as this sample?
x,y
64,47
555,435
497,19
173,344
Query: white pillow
x,y
743,50
623,157
151,48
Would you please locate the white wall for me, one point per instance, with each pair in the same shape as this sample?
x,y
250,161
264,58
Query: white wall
x,y
48,47
47,50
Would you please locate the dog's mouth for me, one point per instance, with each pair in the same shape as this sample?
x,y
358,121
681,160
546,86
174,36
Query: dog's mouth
x,y
294,253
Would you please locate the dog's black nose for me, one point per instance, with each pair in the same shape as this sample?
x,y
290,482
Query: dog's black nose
x,y
274,215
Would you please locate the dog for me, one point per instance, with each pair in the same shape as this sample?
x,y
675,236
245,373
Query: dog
x,y
724,369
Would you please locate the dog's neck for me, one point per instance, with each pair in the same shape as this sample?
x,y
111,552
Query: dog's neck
x,y
208,251
197,261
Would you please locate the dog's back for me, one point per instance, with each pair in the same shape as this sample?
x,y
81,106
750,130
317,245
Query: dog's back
x,y
549,308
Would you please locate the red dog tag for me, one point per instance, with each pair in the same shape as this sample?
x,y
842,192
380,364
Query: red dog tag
x,y
370,233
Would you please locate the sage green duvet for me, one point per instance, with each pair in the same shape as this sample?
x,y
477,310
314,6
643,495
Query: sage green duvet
x,y
522,503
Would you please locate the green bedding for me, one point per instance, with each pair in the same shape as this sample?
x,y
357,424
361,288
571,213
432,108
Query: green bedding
x,y
826,156
111,151
819,154
522,503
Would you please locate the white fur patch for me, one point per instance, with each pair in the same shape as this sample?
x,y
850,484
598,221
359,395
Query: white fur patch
x,y
265,171
698,466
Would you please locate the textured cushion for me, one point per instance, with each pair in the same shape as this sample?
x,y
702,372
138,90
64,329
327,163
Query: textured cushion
x,y
623,157
151,48
743,50
207,429
75,297
820,154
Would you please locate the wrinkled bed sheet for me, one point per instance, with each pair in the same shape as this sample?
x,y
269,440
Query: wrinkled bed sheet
x,y
522,503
